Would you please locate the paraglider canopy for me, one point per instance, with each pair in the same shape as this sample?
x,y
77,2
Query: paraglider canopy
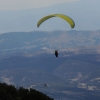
x,y
65,17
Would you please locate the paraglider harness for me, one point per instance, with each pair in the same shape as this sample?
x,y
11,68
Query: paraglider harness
x,y
56,53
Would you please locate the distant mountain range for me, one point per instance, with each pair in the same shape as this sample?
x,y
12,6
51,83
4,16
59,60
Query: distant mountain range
x,y
27,59
85,14
48,41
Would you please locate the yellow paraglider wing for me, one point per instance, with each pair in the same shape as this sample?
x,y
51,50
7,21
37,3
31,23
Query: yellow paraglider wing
x,y
66,18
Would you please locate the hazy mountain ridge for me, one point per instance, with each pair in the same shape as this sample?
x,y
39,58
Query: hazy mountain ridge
x,y
48,41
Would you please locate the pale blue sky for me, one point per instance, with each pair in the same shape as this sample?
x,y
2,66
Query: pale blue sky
x,y
85,13
26,4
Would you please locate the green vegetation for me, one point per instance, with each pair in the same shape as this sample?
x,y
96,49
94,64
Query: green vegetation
x,y
9,92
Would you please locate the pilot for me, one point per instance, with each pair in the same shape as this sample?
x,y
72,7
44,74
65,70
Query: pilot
x,y
56,53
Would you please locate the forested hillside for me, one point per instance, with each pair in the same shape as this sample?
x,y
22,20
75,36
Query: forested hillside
x,y
9,92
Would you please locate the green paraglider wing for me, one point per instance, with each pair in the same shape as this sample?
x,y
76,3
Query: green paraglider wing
x,y
66,18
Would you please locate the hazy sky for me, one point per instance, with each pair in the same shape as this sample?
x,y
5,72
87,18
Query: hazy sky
x,y
25,4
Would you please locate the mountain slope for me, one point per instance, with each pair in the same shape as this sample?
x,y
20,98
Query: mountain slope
x,y
47,41
71,76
